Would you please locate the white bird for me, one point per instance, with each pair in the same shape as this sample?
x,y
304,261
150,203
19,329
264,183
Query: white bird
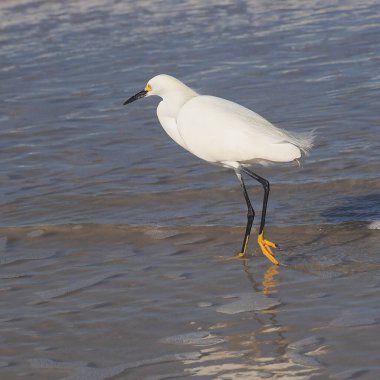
x,y
225,133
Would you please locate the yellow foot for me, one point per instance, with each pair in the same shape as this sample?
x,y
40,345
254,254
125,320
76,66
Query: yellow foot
x,y
266,246
239,256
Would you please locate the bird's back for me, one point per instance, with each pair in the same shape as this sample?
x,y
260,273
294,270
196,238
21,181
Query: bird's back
x,y
221,131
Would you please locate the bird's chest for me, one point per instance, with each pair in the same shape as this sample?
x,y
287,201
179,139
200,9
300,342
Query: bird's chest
x,y
169,124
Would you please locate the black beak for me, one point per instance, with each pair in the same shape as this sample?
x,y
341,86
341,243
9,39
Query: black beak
x,y
139,95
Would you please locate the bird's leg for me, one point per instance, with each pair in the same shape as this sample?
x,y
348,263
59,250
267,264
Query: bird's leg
x,y
264,244
250,217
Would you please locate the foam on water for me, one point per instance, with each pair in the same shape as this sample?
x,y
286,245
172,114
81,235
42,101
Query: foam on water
x,y
305,343
35,233
199,338
375,225
301,359
299,352
248,302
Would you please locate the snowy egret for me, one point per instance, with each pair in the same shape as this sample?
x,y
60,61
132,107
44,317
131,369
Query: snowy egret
x,y
225,133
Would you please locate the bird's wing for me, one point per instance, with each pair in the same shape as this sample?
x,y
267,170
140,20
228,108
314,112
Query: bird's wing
x,y
218,130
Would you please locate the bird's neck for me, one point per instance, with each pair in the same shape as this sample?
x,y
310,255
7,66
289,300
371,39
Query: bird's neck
x,y
174,100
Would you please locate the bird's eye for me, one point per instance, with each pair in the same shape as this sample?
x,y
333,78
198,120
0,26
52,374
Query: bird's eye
x,y
148,87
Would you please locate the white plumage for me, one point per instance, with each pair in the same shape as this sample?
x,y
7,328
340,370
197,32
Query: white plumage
x,y
223,132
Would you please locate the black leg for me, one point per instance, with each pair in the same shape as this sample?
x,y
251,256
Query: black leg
x,y
250,214
266,186
264,244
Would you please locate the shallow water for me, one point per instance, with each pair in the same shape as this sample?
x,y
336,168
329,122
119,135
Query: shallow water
x,y
114,242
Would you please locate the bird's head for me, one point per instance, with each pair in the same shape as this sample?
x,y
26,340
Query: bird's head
x,y
162,85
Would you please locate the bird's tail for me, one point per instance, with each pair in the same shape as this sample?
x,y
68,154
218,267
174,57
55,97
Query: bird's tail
x,y
304,141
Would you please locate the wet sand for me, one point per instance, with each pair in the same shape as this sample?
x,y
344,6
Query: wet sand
x,y
168,302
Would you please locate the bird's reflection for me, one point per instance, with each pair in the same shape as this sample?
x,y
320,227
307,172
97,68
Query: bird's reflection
x,y
262,336
269,281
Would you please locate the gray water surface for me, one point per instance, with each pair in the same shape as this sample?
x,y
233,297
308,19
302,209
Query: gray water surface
x,y
114,242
